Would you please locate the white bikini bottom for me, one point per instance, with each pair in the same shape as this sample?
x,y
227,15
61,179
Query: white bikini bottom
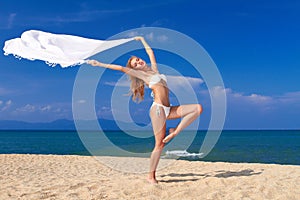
x,y
166,109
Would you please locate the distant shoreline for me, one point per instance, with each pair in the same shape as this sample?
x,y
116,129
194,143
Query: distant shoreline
x,y
202,130
106,125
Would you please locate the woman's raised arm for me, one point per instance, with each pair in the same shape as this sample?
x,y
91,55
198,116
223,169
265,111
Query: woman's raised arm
x,y
149,52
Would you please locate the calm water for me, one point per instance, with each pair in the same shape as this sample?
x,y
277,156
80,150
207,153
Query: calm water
x,y
281,147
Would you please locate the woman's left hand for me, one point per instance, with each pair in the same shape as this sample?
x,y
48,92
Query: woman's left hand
x,y
139,38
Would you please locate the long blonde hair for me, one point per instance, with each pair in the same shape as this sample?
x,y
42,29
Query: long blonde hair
x,y
137,87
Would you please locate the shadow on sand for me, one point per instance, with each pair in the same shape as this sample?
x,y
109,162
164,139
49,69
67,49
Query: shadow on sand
x,y
218,174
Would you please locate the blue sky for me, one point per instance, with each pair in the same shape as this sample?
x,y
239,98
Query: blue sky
x,y
255,45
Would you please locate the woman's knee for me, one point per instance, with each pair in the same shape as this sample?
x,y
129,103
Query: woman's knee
x,y
199,109
159,146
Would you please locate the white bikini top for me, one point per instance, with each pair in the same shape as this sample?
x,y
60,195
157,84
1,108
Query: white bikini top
x,y
156,79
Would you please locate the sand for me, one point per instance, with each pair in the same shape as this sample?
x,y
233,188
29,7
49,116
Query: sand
x,y
83,177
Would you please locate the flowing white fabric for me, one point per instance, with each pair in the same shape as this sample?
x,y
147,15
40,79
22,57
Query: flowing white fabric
x,y
66,50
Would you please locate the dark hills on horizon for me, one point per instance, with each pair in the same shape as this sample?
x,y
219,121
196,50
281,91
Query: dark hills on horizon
x,y
61,124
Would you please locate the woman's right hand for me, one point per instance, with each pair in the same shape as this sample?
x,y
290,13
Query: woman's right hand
x,y
94,63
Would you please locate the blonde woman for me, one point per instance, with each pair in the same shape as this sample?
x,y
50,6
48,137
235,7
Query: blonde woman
x,y
140,74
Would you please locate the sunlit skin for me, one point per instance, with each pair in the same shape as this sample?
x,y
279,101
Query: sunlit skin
x,y
188,113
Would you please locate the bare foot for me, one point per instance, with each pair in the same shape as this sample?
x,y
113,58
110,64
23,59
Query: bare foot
x,y
170,136
152,180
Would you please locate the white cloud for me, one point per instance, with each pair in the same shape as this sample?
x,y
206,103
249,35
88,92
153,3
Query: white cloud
x,y
217,91
159,38
174,82
240,97
27,108
132,34
10,20
81,101
149,37
256,98
290,97
162,38
45,108
7,21
50,108
105,108
253,98
104,112
4,91
240,102
39,113
6,105
160,22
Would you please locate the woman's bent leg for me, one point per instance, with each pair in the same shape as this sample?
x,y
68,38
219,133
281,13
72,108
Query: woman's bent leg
x,y
188,113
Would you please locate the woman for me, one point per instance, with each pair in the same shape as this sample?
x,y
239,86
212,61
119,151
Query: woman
x,y
140,73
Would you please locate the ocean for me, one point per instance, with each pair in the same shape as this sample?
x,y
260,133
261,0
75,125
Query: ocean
x,y
257,146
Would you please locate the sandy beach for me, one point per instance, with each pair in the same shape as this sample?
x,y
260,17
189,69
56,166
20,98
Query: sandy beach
x,y
84,177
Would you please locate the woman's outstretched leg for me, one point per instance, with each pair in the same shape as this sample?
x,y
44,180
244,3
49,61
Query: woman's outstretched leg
x,y
159,129
188,113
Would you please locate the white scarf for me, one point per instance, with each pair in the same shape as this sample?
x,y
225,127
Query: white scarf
x,y
66,50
